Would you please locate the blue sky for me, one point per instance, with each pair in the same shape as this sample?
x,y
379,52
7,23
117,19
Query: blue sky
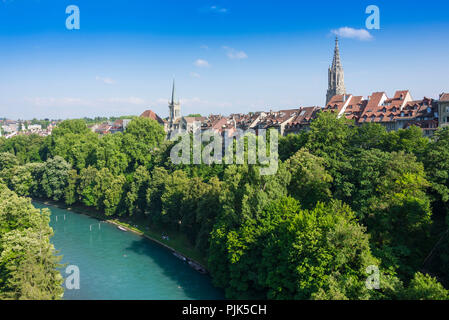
x,y
226,55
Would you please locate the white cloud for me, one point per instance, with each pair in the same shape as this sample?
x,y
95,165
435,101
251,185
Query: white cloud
x,y
105,80
202,63
235,54
346,32
205,47
195,75
218,9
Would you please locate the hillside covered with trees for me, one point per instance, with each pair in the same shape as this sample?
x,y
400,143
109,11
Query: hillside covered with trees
x,y
343,199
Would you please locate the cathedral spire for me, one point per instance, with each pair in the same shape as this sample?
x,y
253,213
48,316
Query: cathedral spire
x,y
336,84
336,62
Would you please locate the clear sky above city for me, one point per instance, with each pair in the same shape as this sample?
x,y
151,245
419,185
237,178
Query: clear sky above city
x,y
226,55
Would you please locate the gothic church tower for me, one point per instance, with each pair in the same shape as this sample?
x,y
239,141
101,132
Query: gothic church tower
x,y
174,109
336,84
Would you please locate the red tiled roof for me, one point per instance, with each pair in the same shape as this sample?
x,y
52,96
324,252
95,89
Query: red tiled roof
x,y
399,95
194,119
305,114
337,102
151,115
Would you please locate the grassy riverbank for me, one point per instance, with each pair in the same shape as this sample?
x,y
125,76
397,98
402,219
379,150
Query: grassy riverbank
x,y
177,241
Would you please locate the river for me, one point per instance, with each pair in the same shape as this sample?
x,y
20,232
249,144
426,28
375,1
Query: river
x,y
121,265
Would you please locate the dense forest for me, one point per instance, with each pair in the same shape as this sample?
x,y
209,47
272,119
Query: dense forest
x,y
343,199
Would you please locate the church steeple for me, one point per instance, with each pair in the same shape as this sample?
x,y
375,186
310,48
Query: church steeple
x,y
173,93
174,108
336,85
336,62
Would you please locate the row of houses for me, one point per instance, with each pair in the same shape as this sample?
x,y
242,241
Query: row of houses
x,y
399,112
110,126
11,128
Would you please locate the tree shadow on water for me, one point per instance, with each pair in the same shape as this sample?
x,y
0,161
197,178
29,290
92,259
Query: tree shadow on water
x,y
195,285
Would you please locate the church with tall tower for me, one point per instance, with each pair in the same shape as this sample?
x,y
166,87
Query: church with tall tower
x,y
174,111
336,85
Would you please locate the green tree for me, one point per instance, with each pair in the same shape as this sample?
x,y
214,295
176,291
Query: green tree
x,y
206,212
389,195
291,144
55,177
70,194
74,142
28,267
8,161
141,138
437,166
25,147
369,136
109,154
172,199
87,183
329,139
36,170
316,249
108,190
21,180
409,140
310,183
28,264
425,287
289,253
75,126
136,196
155,190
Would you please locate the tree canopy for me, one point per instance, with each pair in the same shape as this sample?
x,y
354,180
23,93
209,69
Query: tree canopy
x,y
345,199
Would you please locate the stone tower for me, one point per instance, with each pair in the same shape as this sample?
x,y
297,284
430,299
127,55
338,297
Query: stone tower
x,y
336,84
174,108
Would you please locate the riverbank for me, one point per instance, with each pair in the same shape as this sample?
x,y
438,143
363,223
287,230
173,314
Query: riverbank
x,y
177,242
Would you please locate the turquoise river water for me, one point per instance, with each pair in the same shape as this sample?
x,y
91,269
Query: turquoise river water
x,y
121,265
